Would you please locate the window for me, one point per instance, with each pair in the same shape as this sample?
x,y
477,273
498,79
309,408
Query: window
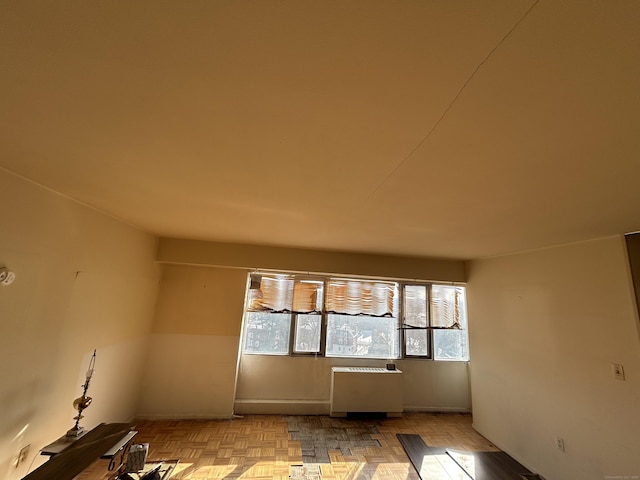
x,y
338,317
307,308
449,307
442,308
416,313
268,316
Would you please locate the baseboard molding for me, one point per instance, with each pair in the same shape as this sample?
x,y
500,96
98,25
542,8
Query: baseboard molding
x,y
183,416
315,407
282,407
279,407
412,409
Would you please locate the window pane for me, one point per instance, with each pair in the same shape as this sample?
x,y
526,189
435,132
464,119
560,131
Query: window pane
x,y
415,314
364,337
267,333
359,297
446,308
307,296
307,339
450,345
274,293
415,305
416,343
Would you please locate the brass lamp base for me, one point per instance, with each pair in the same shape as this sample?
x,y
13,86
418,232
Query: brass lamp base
x,y
82,402
75,432
79,404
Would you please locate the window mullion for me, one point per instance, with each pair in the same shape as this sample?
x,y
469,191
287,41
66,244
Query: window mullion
x,y
323,319
429,331
292,332
402,321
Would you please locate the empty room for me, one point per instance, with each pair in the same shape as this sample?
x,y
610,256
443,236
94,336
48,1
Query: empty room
x,y
320,239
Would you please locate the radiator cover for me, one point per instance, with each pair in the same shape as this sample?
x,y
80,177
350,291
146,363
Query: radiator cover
x,y
366,389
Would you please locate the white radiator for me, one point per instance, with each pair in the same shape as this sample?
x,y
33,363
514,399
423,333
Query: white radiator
x,y
365,389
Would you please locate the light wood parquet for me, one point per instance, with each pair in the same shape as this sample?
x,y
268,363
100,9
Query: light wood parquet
x,y
259,447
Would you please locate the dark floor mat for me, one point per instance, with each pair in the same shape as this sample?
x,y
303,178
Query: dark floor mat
x,y
431,463
318,434
477,465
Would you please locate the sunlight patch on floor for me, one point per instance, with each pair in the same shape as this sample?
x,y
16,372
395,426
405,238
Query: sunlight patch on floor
x,y
441,467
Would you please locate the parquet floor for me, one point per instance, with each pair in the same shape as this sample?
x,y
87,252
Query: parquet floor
x,y
259,447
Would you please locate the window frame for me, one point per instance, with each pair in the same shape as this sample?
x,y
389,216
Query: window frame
x,y
401,337
429,333
465,322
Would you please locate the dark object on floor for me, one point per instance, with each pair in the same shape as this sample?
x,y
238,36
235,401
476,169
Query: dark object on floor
x,y
152,474
477,465
429,462
137,457
154,470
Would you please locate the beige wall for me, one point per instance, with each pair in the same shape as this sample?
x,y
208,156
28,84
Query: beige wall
x,y
302,385
191,368
83,281
545,327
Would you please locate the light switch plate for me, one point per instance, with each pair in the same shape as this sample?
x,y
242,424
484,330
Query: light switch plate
x,y
618,371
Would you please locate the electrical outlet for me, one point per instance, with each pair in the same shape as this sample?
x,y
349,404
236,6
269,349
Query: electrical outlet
x,y
560,444
22,455
618,371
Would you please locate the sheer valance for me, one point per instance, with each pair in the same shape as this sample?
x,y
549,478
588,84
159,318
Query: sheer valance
x,y
284,293
441,310
356,297
287,294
